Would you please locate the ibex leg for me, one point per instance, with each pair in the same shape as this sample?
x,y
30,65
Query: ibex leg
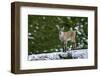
x,y
74,45
65,47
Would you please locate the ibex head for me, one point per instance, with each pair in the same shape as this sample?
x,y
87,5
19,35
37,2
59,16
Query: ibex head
x,y
61,30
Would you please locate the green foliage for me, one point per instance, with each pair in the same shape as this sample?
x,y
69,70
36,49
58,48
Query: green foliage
x,y
43,35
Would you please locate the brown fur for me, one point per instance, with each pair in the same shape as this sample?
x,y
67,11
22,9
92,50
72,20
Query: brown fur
x,y
68,36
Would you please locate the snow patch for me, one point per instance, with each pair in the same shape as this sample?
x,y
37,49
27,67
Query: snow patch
x,y
74,54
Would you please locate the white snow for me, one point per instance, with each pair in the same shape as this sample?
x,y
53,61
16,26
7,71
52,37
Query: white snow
x,y
44,18
59,18
34,30
29,34
37,27
37,23
32,42
31,25
76,54
56,49
77,27
69,18
82,19
79,32
30,37
84,38
81,25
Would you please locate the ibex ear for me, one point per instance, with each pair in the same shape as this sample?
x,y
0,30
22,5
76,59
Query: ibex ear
x,y
63,28
58,27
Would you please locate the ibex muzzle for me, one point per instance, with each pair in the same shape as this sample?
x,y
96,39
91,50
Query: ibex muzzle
x,y
64,37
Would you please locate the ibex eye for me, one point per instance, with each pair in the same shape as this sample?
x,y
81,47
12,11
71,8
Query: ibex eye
x,y
59,32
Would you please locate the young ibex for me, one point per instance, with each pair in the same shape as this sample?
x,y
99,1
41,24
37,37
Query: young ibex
x,y
64,37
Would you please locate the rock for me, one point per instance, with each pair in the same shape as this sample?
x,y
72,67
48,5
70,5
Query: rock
x,y
73,54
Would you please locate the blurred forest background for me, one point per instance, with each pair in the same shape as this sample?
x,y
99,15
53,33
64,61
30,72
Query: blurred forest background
x,y
43,35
